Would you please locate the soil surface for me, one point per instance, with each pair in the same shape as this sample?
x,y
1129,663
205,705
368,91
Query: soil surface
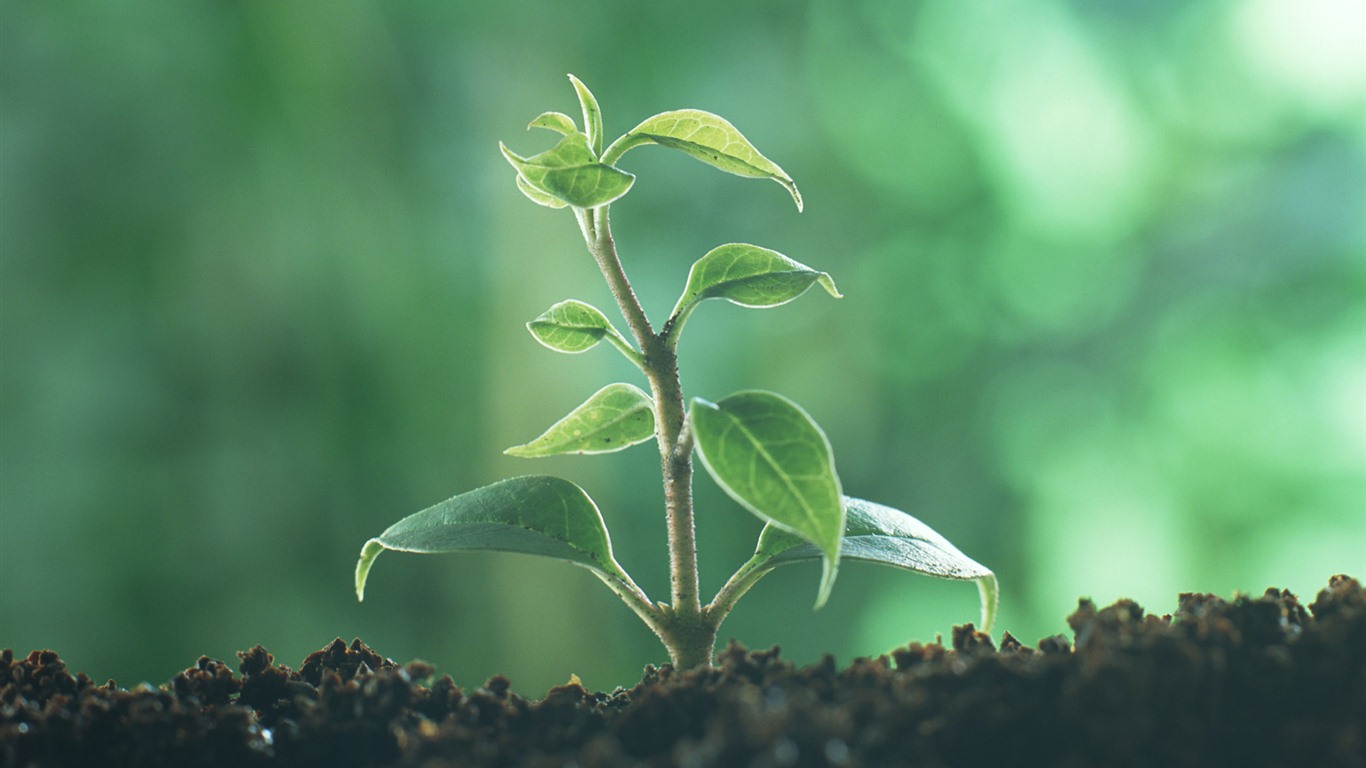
x,y
1252,682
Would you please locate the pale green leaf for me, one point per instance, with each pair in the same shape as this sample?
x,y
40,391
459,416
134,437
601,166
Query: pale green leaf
x,y
537,196
592,115
533,515
879,534
554,121
709,138
749,276
571,173
615,417
770,456
573,326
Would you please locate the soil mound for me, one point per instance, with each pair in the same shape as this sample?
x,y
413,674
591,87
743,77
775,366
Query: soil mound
x,y
1250,682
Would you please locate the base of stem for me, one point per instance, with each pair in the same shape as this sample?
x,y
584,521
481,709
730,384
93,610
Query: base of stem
x,y
690,641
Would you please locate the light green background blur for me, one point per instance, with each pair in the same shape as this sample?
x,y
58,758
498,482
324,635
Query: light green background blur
x,y
265,273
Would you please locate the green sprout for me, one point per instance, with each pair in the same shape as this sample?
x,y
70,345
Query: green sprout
x,y
761,448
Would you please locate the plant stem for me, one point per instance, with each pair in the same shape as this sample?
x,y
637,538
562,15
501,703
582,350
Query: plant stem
x,y
686,631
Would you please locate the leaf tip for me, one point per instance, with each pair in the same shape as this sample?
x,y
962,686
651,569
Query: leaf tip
x,y
791,187
990,593
828,283
368,553
829,569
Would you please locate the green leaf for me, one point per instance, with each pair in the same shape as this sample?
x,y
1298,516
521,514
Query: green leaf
x,y
615,417
749,276
592,115
570,172
537,196
709,138
554,121
878,534
533,515
572,326
770,456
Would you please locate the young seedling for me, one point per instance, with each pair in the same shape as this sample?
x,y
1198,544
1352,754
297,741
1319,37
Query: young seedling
x,y
761,448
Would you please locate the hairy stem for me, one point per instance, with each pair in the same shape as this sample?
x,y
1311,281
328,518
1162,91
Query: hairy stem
x,y
686,631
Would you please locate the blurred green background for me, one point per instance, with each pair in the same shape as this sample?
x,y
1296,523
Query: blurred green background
x,y
264,277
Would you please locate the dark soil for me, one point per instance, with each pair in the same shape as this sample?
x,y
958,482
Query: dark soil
x,y
1252,682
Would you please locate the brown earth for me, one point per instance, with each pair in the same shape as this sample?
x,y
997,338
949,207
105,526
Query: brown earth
x,y
1252,682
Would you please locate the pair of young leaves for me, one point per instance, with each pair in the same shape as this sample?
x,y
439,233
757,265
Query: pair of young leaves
x,y
764,450
578,172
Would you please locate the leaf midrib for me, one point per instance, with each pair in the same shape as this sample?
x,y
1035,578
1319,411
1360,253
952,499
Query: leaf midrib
x,y
678,143
759,448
